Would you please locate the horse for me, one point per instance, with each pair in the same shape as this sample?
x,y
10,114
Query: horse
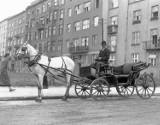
x,y
43,66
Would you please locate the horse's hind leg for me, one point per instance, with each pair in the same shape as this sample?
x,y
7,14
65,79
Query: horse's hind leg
x,y
69,84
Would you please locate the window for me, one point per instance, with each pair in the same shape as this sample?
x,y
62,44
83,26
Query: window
x,y
55,15
49,30
48,46
86,24
135,57
95,21
87,7
55,3
114,3
152,59
85,41
60,29
41,34
59,45
154,38
69,12
46,34
42,20
48,5
61,2
154,13
38,10
114,20
78,9
36,35
96,3
68,43
112,59
28,36
94,40
68,28
54,30
77,26
43,8
40,48
136,16
136,37
61,13
113,43
93,57
45,47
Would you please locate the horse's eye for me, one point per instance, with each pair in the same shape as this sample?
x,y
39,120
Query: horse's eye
x,y
23,48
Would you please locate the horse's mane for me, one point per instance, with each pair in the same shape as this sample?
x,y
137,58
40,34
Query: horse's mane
x,y
32,48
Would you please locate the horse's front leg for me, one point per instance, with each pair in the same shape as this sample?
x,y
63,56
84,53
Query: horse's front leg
x,y
68,87
40,87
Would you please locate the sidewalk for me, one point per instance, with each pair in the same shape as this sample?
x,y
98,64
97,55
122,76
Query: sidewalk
x,y
30,93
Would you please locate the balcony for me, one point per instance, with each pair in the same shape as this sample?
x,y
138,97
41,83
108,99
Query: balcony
x,y
17,36
40,26
136,22
79,49
112,29
10,38
149,45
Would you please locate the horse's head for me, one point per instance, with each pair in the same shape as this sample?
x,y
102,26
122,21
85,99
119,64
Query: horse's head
x,y
22,51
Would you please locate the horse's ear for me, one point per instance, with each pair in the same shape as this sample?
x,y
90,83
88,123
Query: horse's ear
x,y
25,43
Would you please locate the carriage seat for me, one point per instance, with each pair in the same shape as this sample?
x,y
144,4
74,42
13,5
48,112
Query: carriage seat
x,y
126,68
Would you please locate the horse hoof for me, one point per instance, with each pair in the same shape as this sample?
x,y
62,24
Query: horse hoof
x,y
38,100
64,99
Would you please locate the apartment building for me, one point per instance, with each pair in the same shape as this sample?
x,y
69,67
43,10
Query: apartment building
x,y
133,32
15,37
3,33
83,30
44,26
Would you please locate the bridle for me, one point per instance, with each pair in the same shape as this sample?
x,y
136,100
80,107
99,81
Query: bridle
x,y
27,56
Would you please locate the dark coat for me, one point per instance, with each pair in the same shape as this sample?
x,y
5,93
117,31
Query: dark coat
x,y
4,78
104,54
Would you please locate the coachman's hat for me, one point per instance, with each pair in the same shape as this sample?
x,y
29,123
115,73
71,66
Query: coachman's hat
x,y
103,43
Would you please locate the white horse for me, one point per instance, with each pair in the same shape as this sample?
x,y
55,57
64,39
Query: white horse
x,y
40,63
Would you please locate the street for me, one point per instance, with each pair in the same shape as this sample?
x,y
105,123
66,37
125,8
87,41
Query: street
x,y
114,111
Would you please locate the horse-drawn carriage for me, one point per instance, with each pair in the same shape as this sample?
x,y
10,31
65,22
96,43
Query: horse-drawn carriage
x,y
124,78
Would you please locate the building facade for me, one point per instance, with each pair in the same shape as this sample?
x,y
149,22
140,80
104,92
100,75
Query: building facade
x,y
44,26
85,25
76,28
15,37
136,32
3,34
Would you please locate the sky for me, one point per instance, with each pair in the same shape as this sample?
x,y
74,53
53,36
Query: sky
x,y
12,7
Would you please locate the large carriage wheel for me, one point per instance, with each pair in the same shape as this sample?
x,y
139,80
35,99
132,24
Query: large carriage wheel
x,y
100,89
125,90
145,86
82,90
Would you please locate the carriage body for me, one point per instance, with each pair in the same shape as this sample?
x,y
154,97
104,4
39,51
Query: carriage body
x,y
124,78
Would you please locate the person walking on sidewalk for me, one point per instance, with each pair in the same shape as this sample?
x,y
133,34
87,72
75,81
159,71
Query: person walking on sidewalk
x,y
4,77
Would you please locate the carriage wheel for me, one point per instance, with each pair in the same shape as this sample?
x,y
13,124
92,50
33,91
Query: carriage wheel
x,y
125,90
82,90
145,86
100,89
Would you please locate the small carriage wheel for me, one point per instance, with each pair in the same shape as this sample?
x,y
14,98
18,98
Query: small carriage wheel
x,y
145,86
125,90
100,89
82,90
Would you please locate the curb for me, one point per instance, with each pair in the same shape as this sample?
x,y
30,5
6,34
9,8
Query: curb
x,y
58,97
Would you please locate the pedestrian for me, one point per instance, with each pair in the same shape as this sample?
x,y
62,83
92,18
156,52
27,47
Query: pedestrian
x,y
4,77
103,57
